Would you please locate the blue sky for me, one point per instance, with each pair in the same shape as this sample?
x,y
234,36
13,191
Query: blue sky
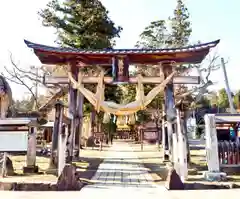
x,y
211,19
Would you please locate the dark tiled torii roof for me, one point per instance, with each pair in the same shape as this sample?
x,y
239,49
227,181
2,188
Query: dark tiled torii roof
x,y
120,51
60,55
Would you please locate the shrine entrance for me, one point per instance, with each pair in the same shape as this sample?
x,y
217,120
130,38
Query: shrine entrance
x,y
118,62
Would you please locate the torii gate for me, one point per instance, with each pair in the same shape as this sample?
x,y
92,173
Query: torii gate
x,y
119,60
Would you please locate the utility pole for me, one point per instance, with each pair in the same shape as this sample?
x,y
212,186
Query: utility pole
x,y
232,109
36,86
36,90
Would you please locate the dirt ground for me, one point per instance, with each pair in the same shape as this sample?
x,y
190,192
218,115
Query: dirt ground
x,y
151,157
86,167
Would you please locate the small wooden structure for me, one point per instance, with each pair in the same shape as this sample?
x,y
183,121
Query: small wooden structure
x,y
123,131
150,134
228,145
47,131
19,135
222,150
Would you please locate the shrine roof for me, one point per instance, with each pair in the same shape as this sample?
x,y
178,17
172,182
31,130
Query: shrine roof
x,y
56,55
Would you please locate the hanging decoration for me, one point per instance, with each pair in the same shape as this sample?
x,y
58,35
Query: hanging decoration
x,y
121,120
114,119
131,119
97,99
106,118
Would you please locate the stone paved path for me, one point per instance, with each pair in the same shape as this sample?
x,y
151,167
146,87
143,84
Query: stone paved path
x,y
122,176
196,194
121,173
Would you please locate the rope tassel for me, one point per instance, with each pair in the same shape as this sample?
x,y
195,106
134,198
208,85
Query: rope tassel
x,y
97,99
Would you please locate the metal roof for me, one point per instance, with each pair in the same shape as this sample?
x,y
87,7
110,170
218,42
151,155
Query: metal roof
x,y
227,118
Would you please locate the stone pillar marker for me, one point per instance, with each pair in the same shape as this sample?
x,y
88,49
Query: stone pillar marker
x,y
213,173
31,152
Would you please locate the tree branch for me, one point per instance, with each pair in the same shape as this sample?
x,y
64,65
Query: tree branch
x,y
25,72
21,77
18,80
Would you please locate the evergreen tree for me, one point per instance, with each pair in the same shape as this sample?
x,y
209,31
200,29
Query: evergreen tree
x,y
158,35
154,36
204,102
180,26
81,24
236,99
223,99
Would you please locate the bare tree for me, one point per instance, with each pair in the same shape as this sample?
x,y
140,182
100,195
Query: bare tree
x,y
205,69
29,78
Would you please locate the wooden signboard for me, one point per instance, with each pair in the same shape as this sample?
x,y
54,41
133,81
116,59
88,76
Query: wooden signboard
x,y
120,69
14,134
99,135
13,141
150,134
